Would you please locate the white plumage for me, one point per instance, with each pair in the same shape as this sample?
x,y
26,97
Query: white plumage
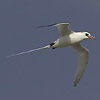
x,y
69,38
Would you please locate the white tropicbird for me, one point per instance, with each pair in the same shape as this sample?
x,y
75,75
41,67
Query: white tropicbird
x,y
69,38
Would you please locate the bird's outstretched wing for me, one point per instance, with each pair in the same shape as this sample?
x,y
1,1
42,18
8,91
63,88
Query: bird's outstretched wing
x,y
63,28
83,61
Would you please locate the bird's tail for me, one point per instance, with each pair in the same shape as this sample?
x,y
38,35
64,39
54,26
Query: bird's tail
x,y
45,47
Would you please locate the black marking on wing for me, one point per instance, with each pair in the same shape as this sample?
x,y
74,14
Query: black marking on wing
x,y
46,25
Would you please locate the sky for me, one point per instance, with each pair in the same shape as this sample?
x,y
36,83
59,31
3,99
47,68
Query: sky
x,y
47,74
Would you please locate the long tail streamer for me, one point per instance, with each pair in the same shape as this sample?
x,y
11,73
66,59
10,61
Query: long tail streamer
x,y
45,47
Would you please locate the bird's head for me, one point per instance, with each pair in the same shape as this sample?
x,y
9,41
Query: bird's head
x,y
88,35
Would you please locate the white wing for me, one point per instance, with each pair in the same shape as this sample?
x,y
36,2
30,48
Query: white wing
x,y
83,61
64,28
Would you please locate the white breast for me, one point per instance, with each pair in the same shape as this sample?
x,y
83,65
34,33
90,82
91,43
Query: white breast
x,y
62,42
76,37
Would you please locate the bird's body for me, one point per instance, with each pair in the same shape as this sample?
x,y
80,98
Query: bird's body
x,y
69,38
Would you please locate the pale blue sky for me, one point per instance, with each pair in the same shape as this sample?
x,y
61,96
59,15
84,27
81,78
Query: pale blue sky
x,y
47,74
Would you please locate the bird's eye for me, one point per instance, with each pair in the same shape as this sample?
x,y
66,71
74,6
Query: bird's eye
x,y
86,34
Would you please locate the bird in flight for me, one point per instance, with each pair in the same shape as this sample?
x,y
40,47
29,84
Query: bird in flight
x,y
69,38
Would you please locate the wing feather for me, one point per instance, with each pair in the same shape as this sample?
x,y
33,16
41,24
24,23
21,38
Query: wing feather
x,y
64,28
83,61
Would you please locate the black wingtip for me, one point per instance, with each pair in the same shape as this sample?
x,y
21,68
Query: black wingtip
x,y
46,25
74,85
